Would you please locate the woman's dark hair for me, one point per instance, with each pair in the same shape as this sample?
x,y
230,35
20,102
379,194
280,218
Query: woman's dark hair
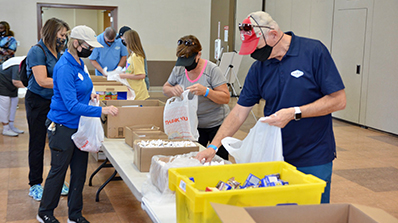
x,y
50,30
188,46
7,28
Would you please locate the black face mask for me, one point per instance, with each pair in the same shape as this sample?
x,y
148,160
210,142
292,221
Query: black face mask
x,y
262,54
61,43
124,43
84,53
192,66
3,33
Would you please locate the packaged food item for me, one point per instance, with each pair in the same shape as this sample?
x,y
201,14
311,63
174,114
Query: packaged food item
x,y
222,186
212,189
272,180
251,181
233,183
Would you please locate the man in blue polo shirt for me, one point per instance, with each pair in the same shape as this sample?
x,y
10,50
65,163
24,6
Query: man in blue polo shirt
x,y
301,85
112,55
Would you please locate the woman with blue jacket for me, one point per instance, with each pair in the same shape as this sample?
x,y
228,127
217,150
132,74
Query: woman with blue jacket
x,y
72,93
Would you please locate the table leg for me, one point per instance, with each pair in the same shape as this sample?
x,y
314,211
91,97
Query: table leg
x,y
113,177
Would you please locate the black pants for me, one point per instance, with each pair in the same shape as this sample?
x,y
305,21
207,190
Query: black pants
x,y
36,115
206,135
64,153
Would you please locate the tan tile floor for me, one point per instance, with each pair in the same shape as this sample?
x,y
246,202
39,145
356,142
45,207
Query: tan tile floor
x,y
365,172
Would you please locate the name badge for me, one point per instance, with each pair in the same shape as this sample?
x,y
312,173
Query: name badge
x,y
80,76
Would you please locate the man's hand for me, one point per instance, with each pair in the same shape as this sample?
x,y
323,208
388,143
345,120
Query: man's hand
x,y
280,118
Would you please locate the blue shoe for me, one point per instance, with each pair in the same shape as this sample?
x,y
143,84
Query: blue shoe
x,y
36,192
65,189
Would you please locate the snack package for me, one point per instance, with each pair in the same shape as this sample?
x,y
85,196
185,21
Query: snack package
x,y
251,181
160,165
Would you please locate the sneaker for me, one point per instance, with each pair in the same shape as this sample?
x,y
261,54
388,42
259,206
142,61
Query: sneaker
x,y
15,129
80,219
36,192
43,218
9,132
65,189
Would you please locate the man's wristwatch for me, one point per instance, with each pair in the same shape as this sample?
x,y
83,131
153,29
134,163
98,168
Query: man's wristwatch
x,y
297,113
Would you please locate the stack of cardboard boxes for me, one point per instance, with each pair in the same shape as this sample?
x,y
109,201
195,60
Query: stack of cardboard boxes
x,y
109,90
140,120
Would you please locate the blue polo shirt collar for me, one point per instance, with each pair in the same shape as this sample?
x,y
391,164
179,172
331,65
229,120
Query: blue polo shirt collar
x,y
293,50
72,60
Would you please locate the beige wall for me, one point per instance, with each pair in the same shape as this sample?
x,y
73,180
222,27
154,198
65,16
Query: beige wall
x,y
159,23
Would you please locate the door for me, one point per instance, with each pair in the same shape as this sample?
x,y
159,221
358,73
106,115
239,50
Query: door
x,y
348,44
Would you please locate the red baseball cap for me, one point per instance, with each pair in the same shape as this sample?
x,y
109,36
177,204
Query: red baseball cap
x,y
249,39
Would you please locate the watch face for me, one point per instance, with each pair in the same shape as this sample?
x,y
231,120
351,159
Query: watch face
x,y
297,116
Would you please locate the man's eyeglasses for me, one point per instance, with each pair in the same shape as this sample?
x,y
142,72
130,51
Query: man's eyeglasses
x,y
185,42
248,27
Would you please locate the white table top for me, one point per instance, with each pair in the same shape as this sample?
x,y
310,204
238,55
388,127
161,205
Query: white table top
x,y
121,156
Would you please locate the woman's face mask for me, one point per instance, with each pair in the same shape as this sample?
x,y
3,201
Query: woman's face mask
x,y
61,43
84,53
192,66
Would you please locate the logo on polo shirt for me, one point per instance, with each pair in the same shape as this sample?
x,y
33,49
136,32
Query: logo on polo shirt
x,y
117,48
297,73
80,76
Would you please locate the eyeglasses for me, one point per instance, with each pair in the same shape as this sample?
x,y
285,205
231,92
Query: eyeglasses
x,y
248,27
185,42
87,46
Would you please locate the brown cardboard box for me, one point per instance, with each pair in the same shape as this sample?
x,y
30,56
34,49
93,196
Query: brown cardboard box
x,y
131,112
325,213
100,156
107,83
143,156
117,88
144,127
95,78
132,135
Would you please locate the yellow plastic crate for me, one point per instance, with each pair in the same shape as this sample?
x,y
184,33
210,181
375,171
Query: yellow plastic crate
x,y
193,203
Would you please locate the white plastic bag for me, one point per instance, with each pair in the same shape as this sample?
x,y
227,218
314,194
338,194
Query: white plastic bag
x,y
115,76
156,188
161,164
180,119
90,134
262,144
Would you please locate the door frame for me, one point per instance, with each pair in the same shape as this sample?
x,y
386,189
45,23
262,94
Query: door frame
x,y
39,10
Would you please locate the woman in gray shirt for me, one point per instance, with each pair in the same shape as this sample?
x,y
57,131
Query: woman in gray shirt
x,y
204,79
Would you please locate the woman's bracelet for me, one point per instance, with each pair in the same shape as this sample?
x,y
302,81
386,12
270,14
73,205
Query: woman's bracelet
x,y
207,92
213,147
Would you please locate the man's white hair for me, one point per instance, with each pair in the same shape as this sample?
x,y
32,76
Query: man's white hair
x,y
261,18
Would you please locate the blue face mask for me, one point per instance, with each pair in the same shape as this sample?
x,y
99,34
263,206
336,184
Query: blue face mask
x,y
61,43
